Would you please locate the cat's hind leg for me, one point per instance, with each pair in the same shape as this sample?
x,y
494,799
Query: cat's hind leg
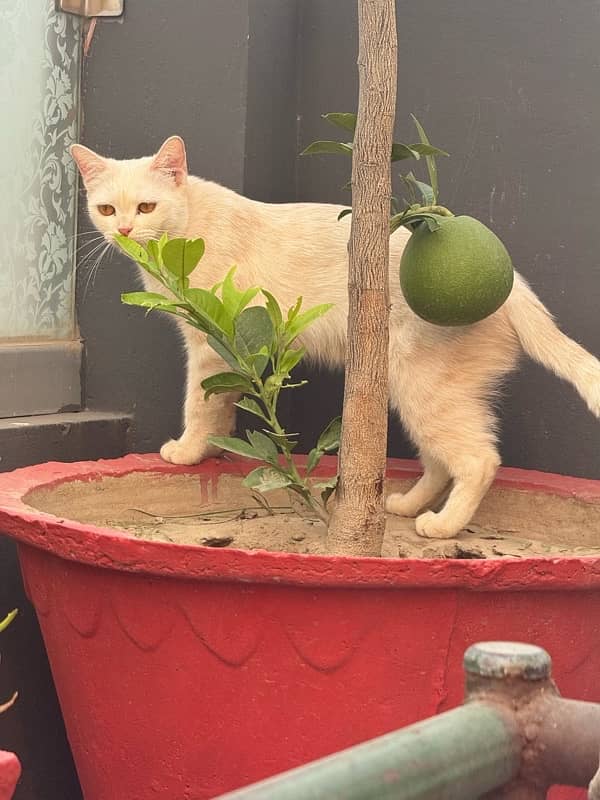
x,y
424,493
472,475
447,415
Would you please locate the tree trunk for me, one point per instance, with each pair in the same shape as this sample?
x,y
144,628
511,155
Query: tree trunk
x,y
358,522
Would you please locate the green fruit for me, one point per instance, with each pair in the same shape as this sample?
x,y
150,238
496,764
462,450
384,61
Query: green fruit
x,y
456,275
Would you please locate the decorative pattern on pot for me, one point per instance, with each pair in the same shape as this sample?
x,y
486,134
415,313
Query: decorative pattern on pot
x,y
228,625
307,619
130,608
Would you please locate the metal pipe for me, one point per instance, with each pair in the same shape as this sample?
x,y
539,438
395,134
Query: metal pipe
x,y
513,739
568,741
459,755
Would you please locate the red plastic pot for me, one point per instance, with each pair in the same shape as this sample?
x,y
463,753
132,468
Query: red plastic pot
x,y
10,772
184,672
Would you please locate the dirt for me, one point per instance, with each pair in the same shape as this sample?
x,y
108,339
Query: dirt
x,y
186,509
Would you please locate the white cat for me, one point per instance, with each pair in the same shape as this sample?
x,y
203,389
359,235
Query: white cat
x,y
441,379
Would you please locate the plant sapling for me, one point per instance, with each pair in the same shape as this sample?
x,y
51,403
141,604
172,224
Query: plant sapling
x,y
257,343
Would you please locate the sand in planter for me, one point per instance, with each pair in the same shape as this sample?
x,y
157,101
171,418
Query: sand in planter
x,y
175,508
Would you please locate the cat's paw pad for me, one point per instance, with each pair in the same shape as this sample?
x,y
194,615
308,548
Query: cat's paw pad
x,y
401,504
431,526
182,451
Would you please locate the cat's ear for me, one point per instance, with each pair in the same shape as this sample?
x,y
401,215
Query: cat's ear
x,y
171,159
90,164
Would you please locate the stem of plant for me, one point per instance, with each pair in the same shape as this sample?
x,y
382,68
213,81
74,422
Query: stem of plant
x,y
301,488
439,210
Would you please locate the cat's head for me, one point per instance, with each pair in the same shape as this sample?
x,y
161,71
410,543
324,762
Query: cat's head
x,y
141,198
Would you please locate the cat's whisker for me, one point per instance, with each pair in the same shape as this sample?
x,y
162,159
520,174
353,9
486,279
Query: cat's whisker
x,y
82,233
88,256
95,253
91,278
89,243
80,237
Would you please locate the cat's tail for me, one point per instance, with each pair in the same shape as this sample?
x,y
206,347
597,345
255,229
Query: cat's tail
x,y
545,343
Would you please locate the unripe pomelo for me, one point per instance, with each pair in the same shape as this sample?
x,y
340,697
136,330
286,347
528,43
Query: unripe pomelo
x,y
457,274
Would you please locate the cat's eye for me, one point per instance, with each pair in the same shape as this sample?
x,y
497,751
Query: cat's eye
x,y
106,210
146,208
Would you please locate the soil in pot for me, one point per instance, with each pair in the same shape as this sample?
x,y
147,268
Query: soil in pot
x,y
193,509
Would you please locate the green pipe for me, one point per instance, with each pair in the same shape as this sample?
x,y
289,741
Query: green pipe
x,y
459,755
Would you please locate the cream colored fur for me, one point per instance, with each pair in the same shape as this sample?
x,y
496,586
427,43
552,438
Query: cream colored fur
x,y
441,379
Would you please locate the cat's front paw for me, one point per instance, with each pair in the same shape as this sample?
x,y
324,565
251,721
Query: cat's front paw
x,y
432,526
186,451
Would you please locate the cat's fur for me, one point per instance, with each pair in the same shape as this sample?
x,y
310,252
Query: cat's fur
x,y
441,379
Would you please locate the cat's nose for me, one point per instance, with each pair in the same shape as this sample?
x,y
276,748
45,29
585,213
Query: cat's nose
x,y
125,230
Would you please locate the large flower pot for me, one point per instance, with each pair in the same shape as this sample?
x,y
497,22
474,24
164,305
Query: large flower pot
x,y
184,671
10,771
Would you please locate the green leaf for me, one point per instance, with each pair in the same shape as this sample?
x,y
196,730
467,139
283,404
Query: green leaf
x,y
234,300
430,159
314,457
318,148
234,445
401,151
428,150
253,331
293,312
327,488
432,223
302,321
225,382
283,440
328,441
222,349
181,256
259,361
408,219
132,249
154,251
274,310
208,306
252,407
344,213
149,300
426,192
265,479
342,120
330,438
290,359
263,445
